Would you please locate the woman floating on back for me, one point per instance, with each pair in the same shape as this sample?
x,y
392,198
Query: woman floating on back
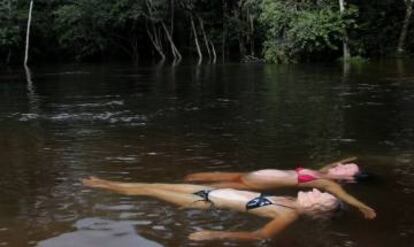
x,y
262,180
282,210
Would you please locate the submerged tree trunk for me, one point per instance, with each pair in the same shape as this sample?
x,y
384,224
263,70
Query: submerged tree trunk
x,y
29,20
406,23
9,50
155,41
205,37
200,55
224,33
174,50
345,47
135,52
172,18
213,50
242,46
155,35
238,13
251,20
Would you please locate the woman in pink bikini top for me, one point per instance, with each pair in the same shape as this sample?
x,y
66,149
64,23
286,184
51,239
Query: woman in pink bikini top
x,y
264,180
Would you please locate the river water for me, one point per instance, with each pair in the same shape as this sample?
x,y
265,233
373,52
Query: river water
x,y
156,124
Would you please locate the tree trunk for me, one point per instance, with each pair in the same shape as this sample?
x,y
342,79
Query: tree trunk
x,y
28,79
9,8
213,50
251,20
200,55
9,52
172,18
345,48
406,23
205,37
155,36
8,56
242,46
224,34
135,53
29,20
155,42
238,15
174,50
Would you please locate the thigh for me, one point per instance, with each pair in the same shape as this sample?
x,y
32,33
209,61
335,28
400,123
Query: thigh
x,y
187,200
182,188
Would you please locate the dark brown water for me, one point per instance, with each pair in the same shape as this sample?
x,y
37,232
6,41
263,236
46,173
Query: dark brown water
x,y
158,124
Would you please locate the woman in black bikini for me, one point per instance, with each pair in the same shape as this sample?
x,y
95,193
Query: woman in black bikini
x,y
282,210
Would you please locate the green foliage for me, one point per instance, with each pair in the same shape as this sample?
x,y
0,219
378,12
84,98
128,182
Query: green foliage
x,y
295,30
80,27
283,31
316,30
9,30
123,12
9,36
90,27
379,27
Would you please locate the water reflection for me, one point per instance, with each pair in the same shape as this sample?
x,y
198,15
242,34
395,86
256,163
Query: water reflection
x,y
157,124
99,232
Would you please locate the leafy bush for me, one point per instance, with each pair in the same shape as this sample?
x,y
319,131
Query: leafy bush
x,y
294,30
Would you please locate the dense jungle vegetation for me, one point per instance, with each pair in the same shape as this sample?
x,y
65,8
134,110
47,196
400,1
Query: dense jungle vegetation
x,y
277,31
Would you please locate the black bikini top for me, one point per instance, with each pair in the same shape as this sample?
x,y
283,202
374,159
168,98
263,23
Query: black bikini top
x,y
262,201
258,202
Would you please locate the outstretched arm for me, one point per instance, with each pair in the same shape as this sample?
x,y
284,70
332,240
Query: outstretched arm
x,y
339,192
269,230
333,164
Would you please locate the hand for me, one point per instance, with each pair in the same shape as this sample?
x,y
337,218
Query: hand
x,y
93,182
204,235
368,213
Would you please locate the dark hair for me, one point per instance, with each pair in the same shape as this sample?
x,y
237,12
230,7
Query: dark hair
x,y
363,176
340,210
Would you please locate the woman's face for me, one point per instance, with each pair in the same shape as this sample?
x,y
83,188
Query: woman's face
x,y
316,202
344,170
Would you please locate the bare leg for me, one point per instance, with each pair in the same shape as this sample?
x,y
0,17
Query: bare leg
x,y
178,198
179,194
94,182
136,187
214,176
232,185
105,184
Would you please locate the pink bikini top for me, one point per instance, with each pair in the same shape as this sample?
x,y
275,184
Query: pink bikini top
x,y
303,178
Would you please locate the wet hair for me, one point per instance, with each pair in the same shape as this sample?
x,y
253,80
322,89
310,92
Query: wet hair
x,y
323,207
340,210
363,176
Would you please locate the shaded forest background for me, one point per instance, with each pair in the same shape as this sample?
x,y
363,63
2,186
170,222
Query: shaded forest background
x,y
277,31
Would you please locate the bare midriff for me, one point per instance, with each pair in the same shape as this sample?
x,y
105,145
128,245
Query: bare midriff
x,y
237,200
270,178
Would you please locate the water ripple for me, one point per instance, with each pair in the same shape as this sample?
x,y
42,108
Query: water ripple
x,y
65,117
